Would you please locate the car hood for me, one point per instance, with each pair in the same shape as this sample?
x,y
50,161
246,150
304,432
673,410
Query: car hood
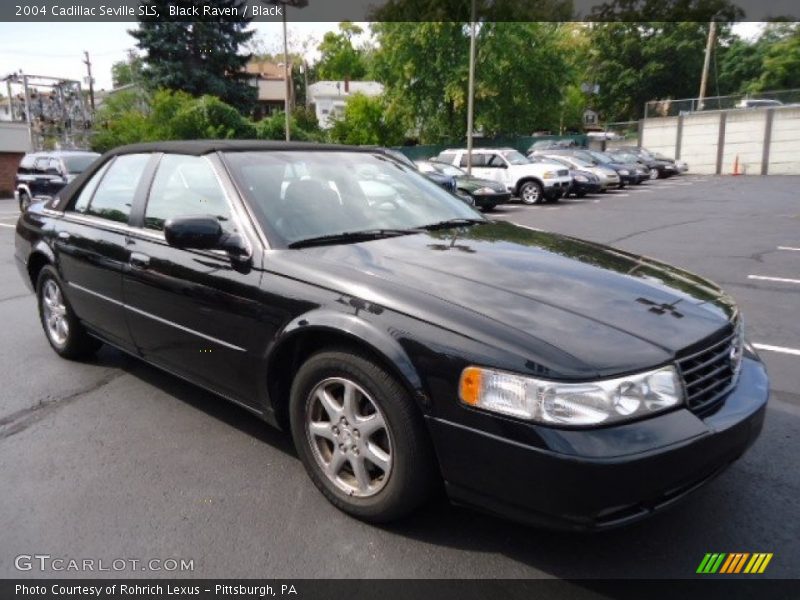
x,y
603,310
473,183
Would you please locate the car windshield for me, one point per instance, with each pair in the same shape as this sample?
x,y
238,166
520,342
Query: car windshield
x,y
78,163
515,158
628,158
299,196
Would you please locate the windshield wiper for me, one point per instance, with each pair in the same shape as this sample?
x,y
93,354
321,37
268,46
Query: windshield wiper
x,y
457,222
351,236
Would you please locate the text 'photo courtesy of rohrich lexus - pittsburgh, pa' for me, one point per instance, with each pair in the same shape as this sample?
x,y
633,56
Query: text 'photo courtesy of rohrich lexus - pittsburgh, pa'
x,y
410,344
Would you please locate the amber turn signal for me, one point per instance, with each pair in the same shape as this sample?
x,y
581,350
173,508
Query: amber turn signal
x,y
469,388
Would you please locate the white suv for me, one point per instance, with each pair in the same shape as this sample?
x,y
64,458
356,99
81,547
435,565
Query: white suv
x,y
532,182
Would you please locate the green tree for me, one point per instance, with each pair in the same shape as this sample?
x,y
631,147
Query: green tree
x,y
339,59
366,121
523,70
200,57
128,71
303,125
635,62
125,119
781,65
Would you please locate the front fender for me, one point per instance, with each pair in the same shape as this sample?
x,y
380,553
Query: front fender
x,y
360,330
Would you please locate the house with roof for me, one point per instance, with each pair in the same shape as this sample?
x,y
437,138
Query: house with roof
x,y
268,78
330,97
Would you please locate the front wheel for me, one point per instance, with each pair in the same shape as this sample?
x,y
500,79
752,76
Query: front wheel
x,y
360,437
62,328
531,192
653,173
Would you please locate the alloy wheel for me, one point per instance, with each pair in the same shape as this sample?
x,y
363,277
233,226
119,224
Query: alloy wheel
x,y
55,313
654,173
349,437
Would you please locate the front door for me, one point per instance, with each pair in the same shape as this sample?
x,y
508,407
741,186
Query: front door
x,y
92,248
195,312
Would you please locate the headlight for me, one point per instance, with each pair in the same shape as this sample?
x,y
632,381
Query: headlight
x,y
556,403
549,175
484,190
624,172
581,178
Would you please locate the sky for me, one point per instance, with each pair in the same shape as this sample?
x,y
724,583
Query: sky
x,y
107,43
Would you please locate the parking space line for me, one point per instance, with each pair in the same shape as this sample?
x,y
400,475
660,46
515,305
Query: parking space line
x,y
789,248
7,225
778,279
779,349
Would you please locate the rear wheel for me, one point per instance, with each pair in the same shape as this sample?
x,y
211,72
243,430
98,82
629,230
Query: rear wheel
x,y
360,437
531,192
61,327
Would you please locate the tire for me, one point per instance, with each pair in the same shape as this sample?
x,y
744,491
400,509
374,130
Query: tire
x,y
489,207
24,201
61,327
654,173
531,192
323,430
580,195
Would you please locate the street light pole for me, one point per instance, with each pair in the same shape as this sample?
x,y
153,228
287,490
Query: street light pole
x,y
287,108
471,88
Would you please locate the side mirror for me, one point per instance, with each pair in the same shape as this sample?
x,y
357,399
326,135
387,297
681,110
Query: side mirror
x,y
196,233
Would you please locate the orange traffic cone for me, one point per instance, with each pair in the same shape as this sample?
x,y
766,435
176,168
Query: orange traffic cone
x,y
736,166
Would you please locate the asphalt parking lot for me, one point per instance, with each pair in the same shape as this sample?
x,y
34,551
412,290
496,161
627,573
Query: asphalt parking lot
x,y
114,459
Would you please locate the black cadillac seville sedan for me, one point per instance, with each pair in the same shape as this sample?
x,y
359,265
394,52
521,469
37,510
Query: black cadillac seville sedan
x,y
405,340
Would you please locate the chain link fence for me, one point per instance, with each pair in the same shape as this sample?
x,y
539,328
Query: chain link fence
x,y
674,108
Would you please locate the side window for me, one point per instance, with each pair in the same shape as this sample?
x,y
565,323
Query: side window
x,y
478,160
88,189
113,197
54,166
495,160
185,186
446,157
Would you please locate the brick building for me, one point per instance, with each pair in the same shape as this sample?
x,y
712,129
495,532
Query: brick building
x,y
15,141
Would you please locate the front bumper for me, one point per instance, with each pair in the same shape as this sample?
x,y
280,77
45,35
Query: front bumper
x,y
483,200
581,187
600,478
555,188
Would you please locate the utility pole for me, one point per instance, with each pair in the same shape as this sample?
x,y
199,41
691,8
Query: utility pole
x,y
471,88
90,81
712,33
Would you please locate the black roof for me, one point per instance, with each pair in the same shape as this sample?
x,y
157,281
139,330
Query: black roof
x,y
200,147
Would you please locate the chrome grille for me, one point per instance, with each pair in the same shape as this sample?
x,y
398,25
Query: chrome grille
x,y
709,369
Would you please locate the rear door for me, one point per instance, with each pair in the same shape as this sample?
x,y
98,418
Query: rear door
x,y
196,313
91,244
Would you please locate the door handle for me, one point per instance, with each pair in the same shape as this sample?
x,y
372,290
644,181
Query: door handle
x,y
139,260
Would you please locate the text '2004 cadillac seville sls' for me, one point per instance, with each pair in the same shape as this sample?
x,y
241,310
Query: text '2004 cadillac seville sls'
x,y
404,339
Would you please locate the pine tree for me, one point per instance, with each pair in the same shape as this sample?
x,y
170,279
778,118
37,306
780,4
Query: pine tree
x,y
199,57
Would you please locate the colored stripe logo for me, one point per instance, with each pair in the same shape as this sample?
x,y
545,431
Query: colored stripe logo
x,y
734,563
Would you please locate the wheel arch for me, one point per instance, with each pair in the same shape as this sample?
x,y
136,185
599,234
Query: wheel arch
x,y
41,255
523,180
313,332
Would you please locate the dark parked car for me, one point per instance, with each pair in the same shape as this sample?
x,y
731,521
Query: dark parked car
x,y
485,193
631,173
42,175
448,182
405,339
583,182
660,166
